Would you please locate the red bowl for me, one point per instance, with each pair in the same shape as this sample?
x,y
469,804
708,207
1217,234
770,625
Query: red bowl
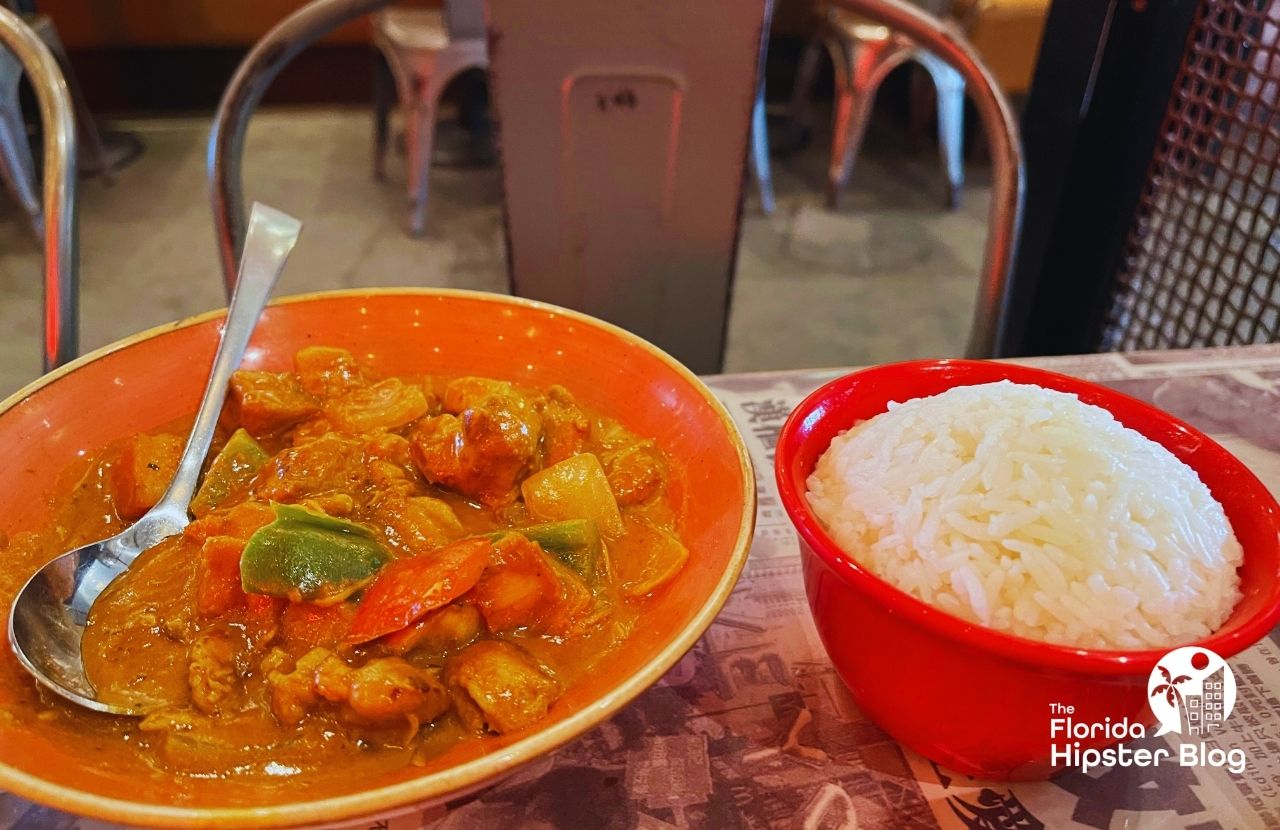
x,y
973,699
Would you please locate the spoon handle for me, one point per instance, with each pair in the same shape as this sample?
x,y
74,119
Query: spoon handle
x,y
271,237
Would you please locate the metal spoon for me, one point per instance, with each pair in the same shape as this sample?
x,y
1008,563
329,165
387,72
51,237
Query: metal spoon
x,y
49,614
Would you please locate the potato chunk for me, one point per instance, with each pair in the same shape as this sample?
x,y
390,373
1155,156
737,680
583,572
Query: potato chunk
x,y
576,488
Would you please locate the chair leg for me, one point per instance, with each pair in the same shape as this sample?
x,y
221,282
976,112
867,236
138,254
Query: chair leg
x,y
760,153
855,95
801,115
433,73
383,97
420,129
950,86
17,167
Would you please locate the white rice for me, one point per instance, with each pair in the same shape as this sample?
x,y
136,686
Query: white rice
x,y
1032,513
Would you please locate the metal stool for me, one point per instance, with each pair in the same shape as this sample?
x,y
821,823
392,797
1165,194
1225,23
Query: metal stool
x,y
863,53
425,50
61,286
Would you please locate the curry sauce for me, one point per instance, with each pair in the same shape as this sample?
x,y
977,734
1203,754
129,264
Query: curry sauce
x,y
377,570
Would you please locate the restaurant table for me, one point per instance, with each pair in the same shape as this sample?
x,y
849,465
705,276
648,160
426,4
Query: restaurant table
x,y
754,729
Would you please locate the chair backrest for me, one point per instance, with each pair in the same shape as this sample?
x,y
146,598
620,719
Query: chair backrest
x,y
1154,172
623,129
61,262
464,19
253,76
989,330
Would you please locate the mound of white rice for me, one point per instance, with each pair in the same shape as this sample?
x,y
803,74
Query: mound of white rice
x,y
1035,514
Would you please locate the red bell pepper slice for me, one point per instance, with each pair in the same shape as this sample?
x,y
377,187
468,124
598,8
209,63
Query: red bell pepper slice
x,y
408,588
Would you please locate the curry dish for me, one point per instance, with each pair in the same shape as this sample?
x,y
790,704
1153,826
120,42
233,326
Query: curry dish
x,y
377,569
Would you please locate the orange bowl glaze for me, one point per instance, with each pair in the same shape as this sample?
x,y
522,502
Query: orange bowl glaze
x,y
155,378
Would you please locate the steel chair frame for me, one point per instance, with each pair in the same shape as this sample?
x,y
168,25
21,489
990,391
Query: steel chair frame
x,y
319,17
61,254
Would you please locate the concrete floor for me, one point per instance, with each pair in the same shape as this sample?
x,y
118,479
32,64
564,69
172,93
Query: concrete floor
x,y
891,275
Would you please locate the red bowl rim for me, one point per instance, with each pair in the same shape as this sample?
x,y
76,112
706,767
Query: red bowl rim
x,y
1225,642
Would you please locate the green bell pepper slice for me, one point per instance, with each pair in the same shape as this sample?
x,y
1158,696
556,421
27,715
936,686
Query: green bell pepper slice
x,y
230,473
309,556
575,542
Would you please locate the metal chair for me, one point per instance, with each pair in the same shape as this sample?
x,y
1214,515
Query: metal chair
x,y
61,285
231,121
991,316
17,167
628,206
1154,180
625,205
863,53
761,167
425,50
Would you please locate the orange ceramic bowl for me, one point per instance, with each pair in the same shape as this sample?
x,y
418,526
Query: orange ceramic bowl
x,y
155,378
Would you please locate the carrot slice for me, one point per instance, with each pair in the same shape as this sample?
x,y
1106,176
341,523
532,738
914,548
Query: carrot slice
x,y
218,577
407,589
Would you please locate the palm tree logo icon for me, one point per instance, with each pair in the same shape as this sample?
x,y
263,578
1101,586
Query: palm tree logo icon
x,y
1191,691
1172,696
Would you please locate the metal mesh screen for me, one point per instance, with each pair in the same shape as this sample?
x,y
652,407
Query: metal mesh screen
x,y
1201,266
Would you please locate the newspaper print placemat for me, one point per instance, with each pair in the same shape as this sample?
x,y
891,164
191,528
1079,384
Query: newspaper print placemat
x,y
753,729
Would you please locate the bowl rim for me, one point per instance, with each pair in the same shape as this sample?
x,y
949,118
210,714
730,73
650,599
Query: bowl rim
x,y
468,776
1035,654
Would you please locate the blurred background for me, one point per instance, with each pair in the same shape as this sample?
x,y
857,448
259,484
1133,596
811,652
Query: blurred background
x,y
889,272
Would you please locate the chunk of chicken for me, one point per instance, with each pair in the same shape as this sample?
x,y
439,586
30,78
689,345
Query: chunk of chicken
x,y
266,402
526,588
565,428
327,372
329,464
484,442
439,632
383,689
636,473
416,524
211,673
387,404
500,686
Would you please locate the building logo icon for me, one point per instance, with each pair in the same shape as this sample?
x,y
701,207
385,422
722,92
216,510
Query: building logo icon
x,y
1192,691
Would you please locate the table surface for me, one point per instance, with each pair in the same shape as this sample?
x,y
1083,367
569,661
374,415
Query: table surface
x,y
754,729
